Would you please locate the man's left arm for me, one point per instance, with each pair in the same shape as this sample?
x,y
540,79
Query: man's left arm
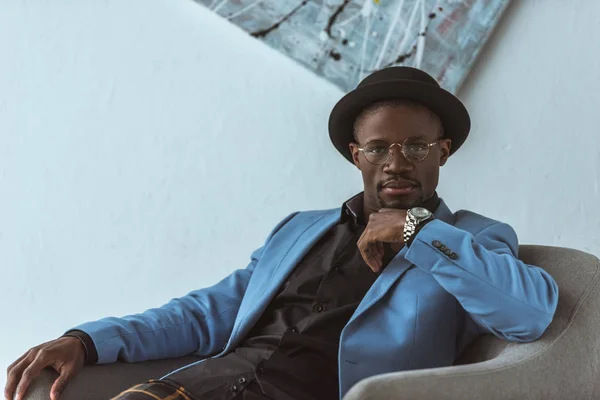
x,y
505,296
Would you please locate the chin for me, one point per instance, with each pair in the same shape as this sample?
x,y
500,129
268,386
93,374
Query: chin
x,y
400,203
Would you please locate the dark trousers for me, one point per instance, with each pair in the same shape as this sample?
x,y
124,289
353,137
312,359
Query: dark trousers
x,y
166,390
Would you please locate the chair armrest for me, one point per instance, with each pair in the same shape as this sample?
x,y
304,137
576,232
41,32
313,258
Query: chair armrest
x,y
101,382
563,364
501,378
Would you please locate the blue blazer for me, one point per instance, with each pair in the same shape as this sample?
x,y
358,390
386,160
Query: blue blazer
x,y
459,278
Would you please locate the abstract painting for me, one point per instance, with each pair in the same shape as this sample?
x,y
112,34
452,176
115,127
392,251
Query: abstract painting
x,y
345,40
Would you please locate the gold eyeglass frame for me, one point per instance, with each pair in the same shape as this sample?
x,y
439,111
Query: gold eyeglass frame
x,y
401,145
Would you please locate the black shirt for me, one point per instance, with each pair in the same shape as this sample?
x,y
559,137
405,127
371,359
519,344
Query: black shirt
x,y
293,347
291,352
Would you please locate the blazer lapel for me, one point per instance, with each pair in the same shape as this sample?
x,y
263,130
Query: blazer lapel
x,y
395,269
308,228
390,274
279,261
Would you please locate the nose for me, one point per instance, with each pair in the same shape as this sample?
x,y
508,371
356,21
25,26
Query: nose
x,y
397,163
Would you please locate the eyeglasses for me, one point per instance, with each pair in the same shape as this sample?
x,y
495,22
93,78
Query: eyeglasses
x,y
414,149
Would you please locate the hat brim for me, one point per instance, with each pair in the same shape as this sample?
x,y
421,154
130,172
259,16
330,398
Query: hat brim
x,y
453,114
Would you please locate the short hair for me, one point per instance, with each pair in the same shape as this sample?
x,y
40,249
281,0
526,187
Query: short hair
x,y
375,107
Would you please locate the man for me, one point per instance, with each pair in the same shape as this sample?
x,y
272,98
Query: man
x,y
391,281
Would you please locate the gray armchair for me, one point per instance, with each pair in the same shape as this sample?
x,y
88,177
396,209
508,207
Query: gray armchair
x,y
563,364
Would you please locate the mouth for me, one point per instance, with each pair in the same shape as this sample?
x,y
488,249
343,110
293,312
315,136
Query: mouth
x,y
399,188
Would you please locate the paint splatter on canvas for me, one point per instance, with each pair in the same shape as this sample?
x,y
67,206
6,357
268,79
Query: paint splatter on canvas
x,y
344,40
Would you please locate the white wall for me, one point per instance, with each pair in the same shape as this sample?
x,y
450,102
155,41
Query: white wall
x,y
147,147
533,159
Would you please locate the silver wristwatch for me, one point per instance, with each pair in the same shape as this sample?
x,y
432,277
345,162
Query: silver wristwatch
x,y
414,217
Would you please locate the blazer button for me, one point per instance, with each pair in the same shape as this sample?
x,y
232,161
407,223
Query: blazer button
x,y
453,256
448,252
437,244
318,307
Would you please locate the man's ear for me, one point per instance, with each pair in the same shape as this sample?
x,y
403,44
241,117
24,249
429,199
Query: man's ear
x,y
445,146
355,153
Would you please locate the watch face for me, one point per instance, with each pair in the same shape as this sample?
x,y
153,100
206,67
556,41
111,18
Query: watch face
x,y
420,212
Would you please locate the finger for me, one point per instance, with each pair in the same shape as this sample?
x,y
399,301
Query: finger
x,y
372,265
373,257
375,265
28,375
381,250
18,360
364,252
378,248
361,244
378,261
369,251
372,251
377,252
66,374
14,375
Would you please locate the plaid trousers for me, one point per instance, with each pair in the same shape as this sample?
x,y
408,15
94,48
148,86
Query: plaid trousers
x,y
157,390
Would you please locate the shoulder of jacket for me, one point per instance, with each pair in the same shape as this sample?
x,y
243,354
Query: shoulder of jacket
x,y
301,218
318,213
473,221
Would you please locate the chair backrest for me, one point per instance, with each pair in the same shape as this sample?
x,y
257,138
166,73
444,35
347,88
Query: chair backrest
x,y
575,272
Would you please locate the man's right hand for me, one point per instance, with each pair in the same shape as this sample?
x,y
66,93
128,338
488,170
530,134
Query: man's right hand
x,y
66,355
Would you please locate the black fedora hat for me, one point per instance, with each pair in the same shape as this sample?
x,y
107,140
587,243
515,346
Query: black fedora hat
x,y
398,83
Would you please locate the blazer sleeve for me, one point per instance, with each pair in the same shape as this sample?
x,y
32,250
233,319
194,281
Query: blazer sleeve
x,y
503,295
200,322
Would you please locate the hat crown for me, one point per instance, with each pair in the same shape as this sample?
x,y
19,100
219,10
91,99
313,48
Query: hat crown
x,y
399,74
398,83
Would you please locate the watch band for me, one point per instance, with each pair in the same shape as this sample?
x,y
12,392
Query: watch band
x,y
410,226
413,224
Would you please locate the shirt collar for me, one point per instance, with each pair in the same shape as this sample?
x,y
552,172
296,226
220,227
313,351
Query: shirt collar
x,y
353,209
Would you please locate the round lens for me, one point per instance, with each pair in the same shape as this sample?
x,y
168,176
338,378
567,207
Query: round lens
x,y
415,149
377,152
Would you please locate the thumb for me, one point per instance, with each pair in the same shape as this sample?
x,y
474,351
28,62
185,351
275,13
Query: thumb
x,y
61,383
